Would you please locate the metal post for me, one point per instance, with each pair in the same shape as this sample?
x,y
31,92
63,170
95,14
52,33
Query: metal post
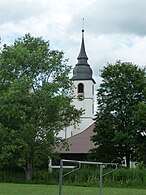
x,y
60,177
100,179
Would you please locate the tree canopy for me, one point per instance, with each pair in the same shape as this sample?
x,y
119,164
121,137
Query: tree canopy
x,y
118,96
140,121
35,101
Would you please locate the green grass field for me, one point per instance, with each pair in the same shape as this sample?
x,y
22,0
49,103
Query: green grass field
x,y
35,189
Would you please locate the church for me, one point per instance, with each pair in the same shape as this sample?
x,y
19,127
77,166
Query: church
x,y
79,136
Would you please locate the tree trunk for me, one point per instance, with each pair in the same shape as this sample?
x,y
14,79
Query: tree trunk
x,y
28,170
128,159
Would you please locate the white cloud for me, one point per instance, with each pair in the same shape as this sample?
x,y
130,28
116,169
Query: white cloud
x,y
113,29
18,10
122,16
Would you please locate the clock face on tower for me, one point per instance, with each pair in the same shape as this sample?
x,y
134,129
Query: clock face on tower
x,y
80,97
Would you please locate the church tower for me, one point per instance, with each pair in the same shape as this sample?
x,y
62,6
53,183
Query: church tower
x,y
83,93
84,89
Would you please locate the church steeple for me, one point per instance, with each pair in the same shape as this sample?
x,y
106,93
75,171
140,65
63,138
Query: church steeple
x,y
82,70
82,57
83,92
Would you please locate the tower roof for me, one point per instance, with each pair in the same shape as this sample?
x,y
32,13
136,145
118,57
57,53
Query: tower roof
x,y
82,70
82,57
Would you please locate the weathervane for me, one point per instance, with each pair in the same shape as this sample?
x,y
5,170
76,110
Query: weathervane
x,y
83,27
83,24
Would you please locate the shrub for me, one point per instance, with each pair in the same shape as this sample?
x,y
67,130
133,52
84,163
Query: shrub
x,y
86,176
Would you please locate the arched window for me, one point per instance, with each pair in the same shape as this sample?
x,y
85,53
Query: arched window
x,y
80,88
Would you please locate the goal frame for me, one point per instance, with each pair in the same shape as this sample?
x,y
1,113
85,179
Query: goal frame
x,y
79,166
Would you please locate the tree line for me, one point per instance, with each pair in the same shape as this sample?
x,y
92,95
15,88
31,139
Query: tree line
x,y
36,103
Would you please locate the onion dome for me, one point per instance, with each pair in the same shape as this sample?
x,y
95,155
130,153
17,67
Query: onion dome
x,y
82,70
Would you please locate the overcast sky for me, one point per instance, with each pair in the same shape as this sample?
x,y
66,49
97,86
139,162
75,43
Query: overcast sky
x,y
114,29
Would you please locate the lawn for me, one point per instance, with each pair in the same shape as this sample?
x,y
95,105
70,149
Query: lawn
x,y
35,189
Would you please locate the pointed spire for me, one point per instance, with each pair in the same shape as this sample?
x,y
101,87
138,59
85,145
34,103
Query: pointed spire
x,y
82,57
82,70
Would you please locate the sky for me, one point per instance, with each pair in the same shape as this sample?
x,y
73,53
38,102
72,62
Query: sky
x,y
114,29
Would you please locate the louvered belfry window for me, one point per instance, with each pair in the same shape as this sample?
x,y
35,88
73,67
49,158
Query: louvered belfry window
x,y
80,88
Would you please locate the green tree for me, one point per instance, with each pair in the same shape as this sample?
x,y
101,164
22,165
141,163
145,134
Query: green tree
x,y
140,122
35,101
121,90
